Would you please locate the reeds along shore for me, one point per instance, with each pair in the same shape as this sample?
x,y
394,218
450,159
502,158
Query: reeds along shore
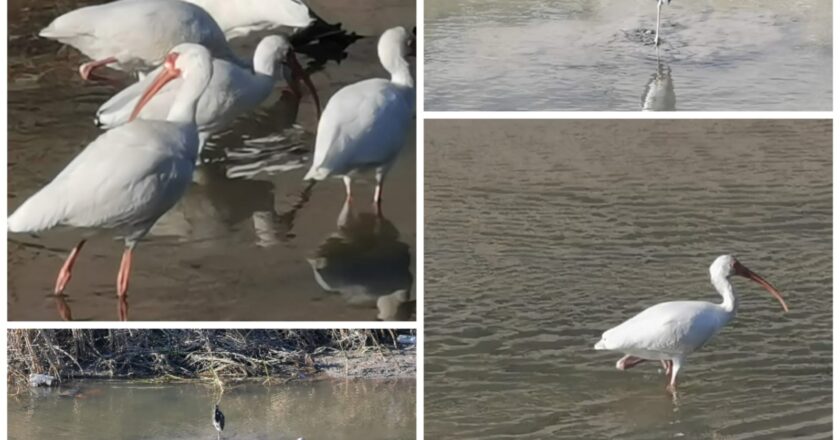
x,y
185,354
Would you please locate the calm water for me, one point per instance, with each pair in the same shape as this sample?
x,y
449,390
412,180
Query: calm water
x,y
594,55
543,234
245,243
375,410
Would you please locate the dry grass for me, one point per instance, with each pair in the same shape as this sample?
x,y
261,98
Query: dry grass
x,y
182,354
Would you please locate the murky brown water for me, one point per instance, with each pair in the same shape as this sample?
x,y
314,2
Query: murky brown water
x,y
341,410
590,55
244,244
563,229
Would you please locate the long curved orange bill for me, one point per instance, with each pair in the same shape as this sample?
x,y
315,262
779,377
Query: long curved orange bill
x,y
169,73
299,74
746,273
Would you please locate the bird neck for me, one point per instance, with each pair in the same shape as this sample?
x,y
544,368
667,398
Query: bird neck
x,y
264,60
184,107
393,61
724,288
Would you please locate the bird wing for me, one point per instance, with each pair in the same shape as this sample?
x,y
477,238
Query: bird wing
x,y
127,177
364,124
676,327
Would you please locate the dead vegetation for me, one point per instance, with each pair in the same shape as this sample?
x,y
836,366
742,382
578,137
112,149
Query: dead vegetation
x,y
174,354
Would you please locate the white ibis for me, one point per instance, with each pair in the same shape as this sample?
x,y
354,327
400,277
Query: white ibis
x,y
129,176
218,420
670,331
232,91
365,124
135,35
241,17
658,14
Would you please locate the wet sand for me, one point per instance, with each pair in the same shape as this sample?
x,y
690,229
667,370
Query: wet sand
x,y
245,243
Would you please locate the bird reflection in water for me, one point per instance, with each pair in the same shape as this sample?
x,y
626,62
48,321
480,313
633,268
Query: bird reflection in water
x,y
366,263
659,92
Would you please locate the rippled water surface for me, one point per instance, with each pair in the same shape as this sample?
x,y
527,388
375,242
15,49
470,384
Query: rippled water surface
x,y
363,410
597,55
245,243
543,234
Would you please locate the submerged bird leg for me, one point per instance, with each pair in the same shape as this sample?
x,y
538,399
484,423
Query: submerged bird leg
x,y
65,273
86,69
658,12
628,362
122,282
667,366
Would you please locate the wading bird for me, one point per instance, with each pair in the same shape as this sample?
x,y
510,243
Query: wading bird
x,y
218,420
670,331
658,15
129,176
232,91
365,124
135,35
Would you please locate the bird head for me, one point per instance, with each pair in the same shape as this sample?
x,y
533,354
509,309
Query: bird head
x,y
726,266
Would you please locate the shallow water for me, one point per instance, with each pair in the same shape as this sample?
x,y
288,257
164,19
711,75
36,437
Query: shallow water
x,y
563,229
595,55
319,410
246,242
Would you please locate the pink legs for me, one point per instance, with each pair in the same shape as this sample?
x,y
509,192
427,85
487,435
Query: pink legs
x,y
628,362
377,193
122,283
65,273
86,70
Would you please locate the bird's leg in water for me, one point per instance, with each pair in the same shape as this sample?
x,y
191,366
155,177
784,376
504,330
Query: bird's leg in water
x,y
658,12
86,70
347,184
122,282
675,365
65,273
628,362
377,194
667,366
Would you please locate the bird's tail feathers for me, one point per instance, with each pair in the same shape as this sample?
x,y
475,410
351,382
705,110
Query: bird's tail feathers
x,y
601,345
33,217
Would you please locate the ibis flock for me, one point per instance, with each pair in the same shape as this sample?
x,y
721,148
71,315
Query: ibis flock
x,y
191,85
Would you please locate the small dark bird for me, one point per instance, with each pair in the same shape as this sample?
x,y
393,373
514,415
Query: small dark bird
x,y
218,420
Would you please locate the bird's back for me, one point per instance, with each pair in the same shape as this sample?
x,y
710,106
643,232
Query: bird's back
x,y
676,327
138,33
364,125
125,179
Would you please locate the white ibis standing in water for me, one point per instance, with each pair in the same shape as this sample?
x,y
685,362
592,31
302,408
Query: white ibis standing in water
x,y
658,14
365,124
135,35
670,331
218,420
232,91
129,176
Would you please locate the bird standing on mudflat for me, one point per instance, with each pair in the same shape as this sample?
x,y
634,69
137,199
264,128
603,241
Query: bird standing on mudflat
x,y
129,176
670,331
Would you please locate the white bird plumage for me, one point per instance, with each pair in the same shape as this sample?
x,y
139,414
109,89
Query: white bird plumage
x,y
242,17
136,35
670,331
232,90
129,176
364,125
